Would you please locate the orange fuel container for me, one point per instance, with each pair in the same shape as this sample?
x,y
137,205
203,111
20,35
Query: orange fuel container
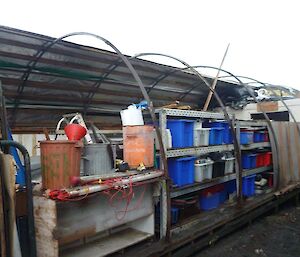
x,y
138,143
60,160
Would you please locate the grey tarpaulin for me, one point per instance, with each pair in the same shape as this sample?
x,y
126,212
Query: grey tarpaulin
x,y
66,76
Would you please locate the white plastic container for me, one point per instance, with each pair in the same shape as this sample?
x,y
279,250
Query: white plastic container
x,y
132,116
198,124
168,140
203,170
201,136
229,165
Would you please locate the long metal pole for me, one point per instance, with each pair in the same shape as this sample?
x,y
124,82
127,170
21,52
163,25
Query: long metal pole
x,y
215,81
79,191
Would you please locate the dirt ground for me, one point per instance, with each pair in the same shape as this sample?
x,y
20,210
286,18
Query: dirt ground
x,y
272,236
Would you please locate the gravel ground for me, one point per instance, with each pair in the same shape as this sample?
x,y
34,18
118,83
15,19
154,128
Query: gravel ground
x,y
273,236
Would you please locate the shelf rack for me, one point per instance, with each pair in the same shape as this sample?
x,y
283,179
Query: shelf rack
x,y
201,150
197,151
164,113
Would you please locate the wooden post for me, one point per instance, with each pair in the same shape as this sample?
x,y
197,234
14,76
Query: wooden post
x,y
210,94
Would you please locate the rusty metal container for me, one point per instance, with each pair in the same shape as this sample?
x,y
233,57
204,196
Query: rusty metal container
x,y
97,160
60,160
138,145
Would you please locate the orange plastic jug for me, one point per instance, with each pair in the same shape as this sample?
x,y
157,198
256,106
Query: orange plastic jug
x,y
60,161
138,142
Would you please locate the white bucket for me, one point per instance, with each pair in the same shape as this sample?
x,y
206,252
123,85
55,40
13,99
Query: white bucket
x,y
203,171
229,165
132,116
168,140
198,124
201,136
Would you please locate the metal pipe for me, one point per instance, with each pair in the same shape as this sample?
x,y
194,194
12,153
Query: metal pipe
x,y
89,189
31,228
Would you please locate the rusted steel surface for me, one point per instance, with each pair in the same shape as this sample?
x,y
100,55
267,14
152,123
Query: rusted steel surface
x,y
60,160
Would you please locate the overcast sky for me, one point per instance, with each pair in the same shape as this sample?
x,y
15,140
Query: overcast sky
x,y
263,35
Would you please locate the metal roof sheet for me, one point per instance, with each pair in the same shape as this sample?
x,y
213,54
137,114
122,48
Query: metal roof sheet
x,y
71,77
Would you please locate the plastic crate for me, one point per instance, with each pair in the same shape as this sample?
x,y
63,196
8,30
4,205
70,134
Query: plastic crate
x,y
198,124
249,185
201,136
260,159
267,159
249,161
223,196
229,165
270,180
230,186
258,136
246,137
227,136
181,170
216,124
218,169
209,201
182,132
174,215
216,136
203,170
266,136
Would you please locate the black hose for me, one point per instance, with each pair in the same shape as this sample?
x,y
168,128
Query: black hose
x,y
31,228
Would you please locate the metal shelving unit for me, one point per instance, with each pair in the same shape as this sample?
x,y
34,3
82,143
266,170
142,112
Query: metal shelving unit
x,y
175,192
191,114
163,114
